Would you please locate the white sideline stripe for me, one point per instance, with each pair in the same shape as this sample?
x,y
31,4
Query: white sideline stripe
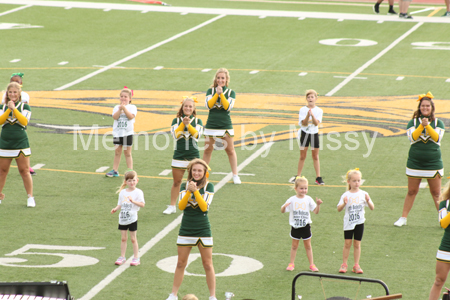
x,y
220,11
165,172
153,241
37,166
119,62
371,61
15,9
422,10
102,169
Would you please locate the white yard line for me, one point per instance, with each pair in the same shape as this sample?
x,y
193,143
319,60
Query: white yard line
x,y
374,59
15,9
117,63
173,225
224,11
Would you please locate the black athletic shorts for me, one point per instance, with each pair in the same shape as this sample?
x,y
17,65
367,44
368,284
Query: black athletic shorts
x,y
123,141
130,227
301,233
356,233
307,140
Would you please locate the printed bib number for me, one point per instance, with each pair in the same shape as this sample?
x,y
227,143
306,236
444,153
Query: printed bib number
x,y
125,215
353,217
122,124
300,222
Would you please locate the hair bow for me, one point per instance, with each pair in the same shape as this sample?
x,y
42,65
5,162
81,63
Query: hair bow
x,y
17,74
132,93
189,97
428,95
207,171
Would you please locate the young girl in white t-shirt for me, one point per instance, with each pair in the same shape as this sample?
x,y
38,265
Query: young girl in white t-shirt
x,y
310,116
354,200
124,116
131,200
299,207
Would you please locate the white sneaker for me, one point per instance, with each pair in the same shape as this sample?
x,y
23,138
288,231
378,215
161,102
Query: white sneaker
x,y
172,297
236,179
212,298
31,202
170,210
400,222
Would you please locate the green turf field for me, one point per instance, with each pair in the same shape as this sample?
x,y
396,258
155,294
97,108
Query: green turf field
x,y
368,70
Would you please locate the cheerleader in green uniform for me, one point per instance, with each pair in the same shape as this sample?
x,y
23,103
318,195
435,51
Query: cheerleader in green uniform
x,y
425,133
195,199
220,100
14,119
186,130
443,253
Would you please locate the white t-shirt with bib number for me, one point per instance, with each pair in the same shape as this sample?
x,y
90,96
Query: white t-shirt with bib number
x,y
310,128
299,210
354,210
123,126
129,211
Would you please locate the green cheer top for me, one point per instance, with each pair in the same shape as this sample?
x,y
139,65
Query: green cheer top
x,y
425,152
14,135
219,118
195,222
186,144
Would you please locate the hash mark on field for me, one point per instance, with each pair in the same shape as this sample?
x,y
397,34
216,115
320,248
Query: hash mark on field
x,y
158,68
184,13
303,74
37,166
144,11
254,72
448,80
340,20
262,17
381,21
423,185
15,60
107,9
165,172
240,174
68,7
63,63
102,169
301,18
400,78
206,70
